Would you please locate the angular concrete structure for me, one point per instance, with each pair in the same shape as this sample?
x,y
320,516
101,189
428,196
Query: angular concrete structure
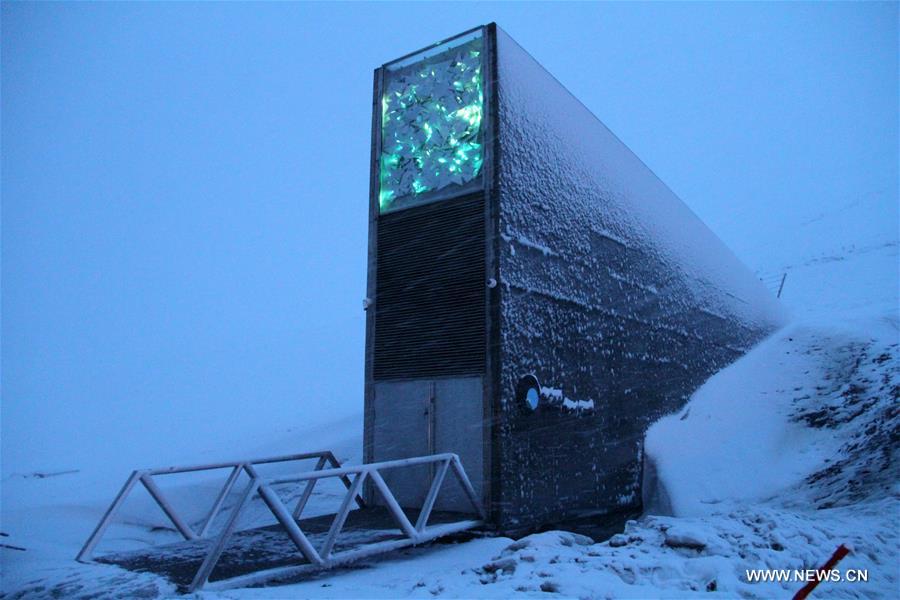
x,y
536,295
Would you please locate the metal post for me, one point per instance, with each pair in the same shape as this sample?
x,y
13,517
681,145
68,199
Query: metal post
x,y
284,517
182,527
307,492
341,517
781,286
220,499
92,541
212,557
394,506
467,485
346,480
432,495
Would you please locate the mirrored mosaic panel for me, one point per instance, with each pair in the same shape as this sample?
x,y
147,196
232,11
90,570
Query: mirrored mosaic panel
x,y
432,109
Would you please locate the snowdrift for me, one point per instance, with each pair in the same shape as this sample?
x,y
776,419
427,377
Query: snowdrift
x,y
809,413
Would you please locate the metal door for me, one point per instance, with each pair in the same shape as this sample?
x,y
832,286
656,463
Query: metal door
x,y
421,417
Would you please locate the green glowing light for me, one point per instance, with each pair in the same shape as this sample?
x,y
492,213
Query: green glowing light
x,y
385,197
471,113
431,126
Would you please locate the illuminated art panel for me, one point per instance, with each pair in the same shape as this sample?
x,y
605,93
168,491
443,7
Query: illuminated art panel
x,y
431,123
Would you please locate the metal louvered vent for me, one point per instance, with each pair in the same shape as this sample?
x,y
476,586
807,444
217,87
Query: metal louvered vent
x,y
430,290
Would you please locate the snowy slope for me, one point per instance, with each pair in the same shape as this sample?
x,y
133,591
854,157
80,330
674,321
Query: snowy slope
x,y
774,462
791,407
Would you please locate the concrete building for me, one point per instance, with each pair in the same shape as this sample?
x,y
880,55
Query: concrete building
x,y
536,295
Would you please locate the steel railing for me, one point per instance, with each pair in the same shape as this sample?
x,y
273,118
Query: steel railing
x,y
323,557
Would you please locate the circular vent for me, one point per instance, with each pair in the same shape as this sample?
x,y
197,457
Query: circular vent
x,y
528,393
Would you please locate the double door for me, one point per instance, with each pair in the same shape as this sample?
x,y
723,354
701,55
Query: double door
x,y
422,417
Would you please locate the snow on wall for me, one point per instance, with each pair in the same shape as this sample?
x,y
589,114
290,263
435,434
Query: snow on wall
x,y
612,290
556,396
552,144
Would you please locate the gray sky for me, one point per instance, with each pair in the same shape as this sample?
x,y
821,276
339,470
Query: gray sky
x,y
184,186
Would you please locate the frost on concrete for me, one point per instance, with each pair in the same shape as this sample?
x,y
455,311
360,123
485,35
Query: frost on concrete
x,y
561,162
613,292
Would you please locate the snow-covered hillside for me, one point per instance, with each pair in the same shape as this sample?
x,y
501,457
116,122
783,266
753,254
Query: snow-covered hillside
x,y
776,461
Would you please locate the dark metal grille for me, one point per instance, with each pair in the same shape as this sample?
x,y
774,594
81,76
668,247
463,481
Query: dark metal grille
x,y
430,290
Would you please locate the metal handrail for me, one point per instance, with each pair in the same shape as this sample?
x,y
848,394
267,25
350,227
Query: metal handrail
x,y
145,478
351,470
324,556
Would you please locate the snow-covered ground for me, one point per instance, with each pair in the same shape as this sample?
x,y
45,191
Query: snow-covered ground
x,y
776,461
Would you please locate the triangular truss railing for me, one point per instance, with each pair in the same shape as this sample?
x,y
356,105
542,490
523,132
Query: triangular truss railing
x,y
316,559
